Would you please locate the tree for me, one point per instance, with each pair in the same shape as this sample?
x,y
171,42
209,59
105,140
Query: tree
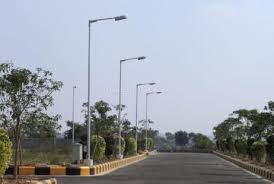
x,y
23,92
40,125
79,130
201,141
181,138
102,123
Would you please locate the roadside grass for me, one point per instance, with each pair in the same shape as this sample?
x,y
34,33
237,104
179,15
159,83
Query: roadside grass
x,y
46,156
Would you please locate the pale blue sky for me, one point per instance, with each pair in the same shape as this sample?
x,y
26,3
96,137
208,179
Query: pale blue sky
x,y
209,57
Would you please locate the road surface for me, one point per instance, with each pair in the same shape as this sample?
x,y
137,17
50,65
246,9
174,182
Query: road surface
x,y
173,168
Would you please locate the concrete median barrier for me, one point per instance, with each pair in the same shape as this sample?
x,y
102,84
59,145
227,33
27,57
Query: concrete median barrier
x,y
76,170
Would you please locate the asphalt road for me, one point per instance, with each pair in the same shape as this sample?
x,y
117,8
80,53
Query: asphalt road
x,y
173,168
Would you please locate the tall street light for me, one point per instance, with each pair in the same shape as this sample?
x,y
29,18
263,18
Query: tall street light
x,y
147,94
136,115
73,92
88,161
119,107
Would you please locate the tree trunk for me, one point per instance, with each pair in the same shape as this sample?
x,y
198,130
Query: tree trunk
x,y
20,152
17,137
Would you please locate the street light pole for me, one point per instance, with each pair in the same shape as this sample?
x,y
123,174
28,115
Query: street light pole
x,y
119,107
88,160
73,131
146,125
136,114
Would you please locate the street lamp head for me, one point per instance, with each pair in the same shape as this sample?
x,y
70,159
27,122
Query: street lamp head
x,y
74,87
152,83
141,58
120,18
159,92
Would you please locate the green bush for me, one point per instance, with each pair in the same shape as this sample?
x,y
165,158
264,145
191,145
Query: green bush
x,y
98,147
241,146
258,150
5,151
131,146
116,145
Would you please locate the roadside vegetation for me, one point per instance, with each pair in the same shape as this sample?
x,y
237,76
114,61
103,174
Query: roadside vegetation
x,y
36,137
248,134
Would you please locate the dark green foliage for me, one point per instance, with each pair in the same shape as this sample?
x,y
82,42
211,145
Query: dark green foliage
x,y
249,144
258,150
98,147
201,141
241,146
270,148
109,146
181,138
223,144
5,151
230,144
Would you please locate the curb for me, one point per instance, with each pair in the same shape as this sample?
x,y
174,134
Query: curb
x,y
111,166
261,171
49,181
76,171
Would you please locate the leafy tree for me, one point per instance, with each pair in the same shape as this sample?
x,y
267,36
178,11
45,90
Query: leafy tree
x,y
201,141
23,92
181,138
40,125
5,151
102,123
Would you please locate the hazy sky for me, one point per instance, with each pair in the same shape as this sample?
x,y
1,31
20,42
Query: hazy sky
x,y
209,57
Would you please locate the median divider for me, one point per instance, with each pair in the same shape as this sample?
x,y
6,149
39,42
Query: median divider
x,y
75,170
261,171
110,166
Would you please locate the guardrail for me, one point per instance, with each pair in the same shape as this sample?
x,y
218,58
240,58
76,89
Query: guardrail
x,y
261,171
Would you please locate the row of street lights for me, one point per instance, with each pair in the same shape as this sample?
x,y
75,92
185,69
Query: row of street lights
x,y
88,160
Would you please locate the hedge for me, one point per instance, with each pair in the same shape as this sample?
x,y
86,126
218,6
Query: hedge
x,y
5,151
